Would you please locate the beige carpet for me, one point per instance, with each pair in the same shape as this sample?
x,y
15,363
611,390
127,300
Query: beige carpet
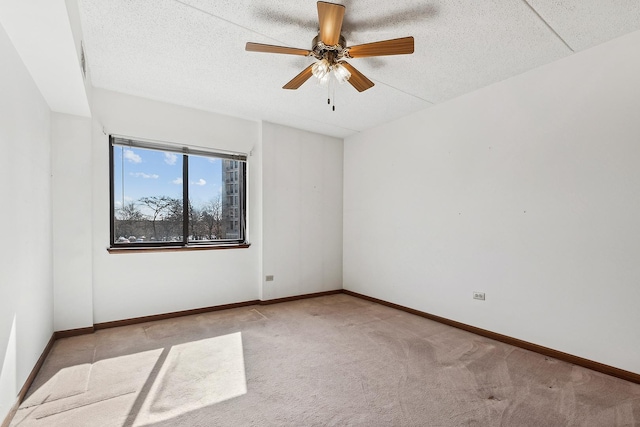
x,y
328,361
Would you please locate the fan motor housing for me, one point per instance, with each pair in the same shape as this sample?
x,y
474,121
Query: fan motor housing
x,y
320,49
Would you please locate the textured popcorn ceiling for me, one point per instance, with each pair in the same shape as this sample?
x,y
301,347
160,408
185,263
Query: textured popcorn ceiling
x,y
191,52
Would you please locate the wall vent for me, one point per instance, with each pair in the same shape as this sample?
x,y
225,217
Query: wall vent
x,y
83,61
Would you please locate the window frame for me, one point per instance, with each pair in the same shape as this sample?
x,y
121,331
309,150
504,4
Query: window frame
x,y
184,152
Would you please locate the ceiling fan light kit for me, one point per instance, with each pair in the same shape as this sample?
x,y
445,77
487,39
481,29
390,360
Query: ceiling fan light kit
x,y
341,73
330,50
323,70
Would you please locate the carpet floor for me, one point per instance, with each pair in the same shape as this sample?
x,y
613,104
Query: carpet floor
x,y
327,361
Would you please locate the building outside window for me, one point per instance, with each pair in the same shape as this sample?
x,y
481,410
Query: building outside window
x,y
231,173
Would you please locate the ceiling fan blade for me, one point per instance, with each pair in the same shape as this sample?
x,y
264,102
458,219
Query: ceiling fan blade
x,y
298,80
257,47
357,79
399,46
330,18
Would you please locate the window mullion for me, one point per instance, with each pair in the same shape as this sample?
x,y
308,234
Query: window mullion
x,y
111,194
185,199
242,195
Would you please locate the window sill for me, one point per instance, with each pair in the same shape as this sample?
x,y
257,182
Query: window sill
x,y
128,249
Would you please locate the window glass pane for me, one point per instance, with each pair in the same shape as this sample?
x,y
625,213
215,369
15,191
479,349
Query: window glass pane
x,y
230,206
212,209
205,199
147,193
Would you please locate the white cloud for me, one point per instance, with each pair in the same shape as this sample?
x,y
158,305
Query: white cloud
x,y
118,204
177,181
212,160
132,157
144,175
200,182
170,158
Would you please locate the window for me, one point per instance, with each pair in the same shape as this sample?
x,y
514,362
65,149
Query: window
x,y
163,195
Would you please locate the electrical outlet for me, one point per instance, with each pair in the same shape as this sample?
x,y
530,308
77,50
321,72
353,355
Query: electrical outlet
x,y
269,278
478,295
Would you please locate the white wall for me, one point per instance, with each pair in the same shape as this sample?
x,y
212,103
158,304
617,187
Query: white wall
x,y
73,11
526,190
26,309
43,34
72,226
302,202
127,285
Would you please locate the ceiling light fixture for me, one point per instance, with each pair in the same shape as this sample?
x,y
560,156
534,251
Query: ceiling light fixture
x,y
323,70
341,73
328,64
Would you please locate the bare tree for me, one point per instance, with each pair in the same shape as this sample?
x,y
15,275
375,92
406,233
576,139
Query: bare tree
x,y
172,220
128,219
194,221
212,218
159,206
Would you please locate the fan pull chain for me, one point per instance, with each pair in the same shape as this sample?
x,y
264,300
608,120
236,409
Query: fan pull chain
x,y
334,98
331,94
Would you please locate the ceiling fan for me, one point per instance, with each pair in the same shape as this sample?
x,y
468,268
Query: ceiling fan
x,y
330,50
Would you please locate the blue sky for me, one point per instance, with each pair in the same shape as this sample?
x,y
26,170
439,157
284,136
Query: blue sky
x,y
149,173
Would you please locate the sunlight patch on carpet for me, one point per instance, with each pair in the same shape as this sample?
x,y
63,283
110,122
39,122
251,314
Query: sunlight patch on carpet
x,y
196,375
